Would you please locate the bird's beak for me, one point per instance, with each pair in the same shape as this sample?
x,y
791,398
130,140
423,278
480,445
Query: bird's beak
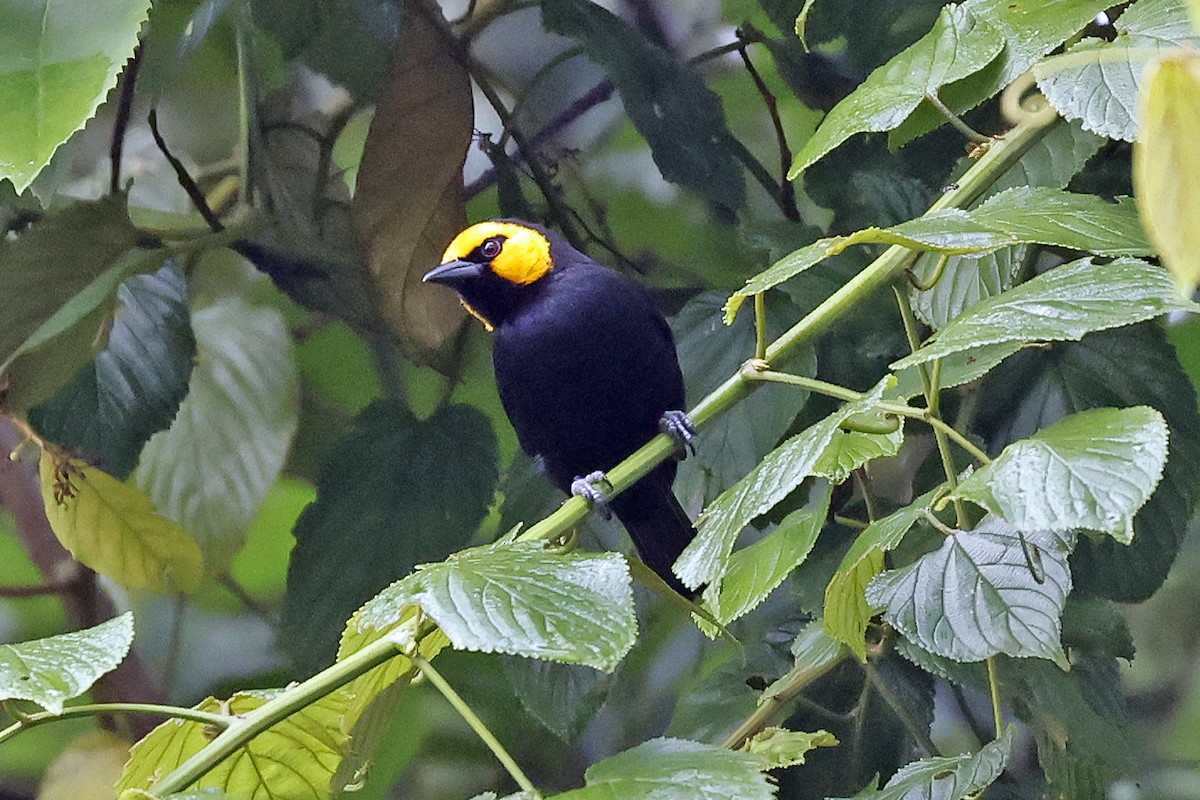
x,y
453,273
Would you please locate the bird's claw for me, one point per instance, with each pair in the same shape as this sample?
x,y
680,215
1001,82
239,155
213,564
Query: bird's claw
x,y
588,488
678,425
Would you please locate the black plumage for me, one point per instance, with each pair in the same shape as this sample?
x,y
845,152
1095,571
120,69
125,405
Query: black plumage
x,y
585,364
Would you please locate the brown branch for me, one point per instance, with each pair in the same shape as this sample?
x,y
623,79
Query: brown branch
x,y
121,123
185,180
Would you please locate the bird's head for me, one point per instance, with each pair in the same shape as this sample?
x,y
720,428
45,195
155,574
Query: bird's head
x,y
495,266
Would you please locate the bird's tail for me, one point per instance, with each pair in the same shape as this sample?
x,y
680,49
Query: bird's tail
x,y
658,525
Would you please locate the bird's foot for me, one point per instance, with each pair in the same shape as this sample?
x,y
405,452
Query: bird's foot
x,y
678,425
588,488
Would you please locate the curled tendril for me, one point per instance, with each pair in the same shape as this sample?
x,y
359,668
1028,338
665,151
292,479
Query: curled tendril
x,y
1021,102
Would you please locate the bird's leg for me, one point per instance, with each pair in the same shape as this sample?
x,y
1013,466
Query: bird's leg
x,y
679,427
587,487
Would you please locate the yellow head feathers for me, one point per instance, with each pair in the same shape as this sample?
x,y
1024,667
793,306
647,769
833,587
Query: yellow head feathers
x,y
523,257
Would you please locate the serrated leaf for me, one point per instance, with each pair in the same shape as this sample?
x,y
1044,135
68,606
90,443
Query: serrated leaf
x,y
53,670
847,611
1098,82
1166,165
956,368
675,769
1065,303
295,758
1123,367
212,468
59,62
135,385
56,259
523,600
1041,215
1030,29
959,44
563,697
707,557
946,777
681,119
1064,219
757,570
964,283
426,489
849,449
978,595
113,528
781,748
408,209
1092,470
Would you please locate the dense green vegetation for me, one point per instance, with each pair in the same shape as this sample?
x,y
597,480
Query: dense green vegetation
x,y
939,356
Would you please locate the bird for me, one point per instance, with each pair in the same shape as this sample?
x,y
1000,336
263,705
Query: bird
x,y
586,368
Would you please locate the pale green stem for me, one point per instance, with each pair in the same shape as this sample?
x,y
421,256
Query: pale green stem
x,y
994,686
468,714
42,717
842,393
246,727
930,379
760,326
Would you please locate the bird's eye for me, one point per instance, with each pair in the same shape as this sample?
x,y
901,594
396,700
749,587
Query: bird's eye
x,y
490,248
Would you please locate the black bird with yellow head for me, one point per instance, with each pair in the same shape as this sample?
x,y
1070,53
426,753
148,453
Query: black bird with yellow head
x,y
586,368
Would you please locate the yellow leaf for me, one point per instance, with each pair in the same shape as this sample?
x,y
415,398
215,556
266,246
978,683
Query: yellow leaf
x,y
408,201
1166,164
87,770
113,528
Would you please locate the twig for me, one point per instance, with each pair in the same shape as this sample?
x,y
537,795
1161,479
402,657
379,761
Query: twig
x,y
121,123
181,174
787,192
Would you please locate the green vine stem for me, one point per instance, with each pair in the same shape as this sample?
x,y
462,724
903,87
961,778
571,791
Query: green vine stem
x,y
28,721
897,409
481,730
1002,155
247,726
994,687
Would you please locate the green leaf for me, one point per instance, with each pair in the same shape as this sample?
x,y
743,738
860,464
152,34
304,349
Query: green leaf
x,y
681,119
734,442
757,570
113,528
55,260
946,777
1041,215
965,282
1092,470
212,468
849,450
781,748
675,769
135,385
977,595
523,600
847,611
1075,221
396,492
563,697
295,758
1030,29
57,63
959,44
1063,304
58,668
1123,367
1098,82
773,479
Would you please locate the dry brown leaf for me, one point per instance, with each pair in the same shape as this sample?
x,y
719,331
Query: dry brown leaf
x,y
408,203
